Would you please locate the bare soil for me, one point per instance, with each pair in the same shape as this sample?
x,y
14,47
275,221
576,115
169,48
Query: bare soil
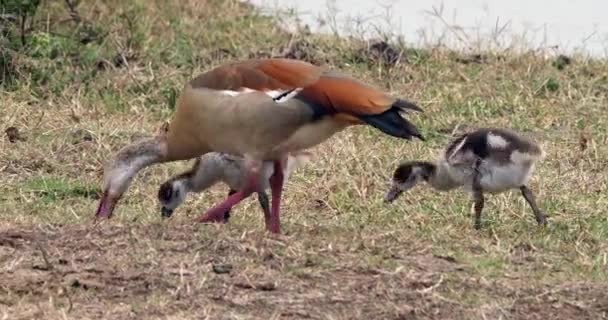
x,y
107,271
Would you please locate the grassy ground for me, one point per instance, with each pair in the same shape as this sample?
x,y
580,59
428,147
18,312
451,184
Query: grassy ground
x,y
89,82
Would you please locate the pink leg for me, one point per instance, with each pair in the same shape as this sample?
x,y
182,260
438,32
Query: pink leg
x,y
276,186
216,214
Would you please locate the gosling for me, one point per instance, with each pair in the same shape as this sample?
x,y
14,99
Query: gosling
x,y
215,167
490,160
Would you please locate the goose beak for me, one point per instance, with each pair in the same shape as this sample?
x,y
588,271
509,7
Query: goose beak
x,y
393,194
106,206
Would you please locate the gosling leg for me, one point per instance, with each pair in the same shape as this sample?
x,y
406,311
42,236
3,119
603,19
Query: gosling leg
x,y
529,196
477,195
479,200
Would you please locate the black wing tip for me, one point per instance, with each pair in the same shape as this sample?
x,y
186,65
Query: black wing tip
x,y
406,105
417,135
412,133
392,123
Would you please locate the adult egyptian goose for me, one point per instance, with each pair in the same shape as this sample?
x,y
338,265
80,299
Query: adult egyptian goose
x,y
486,160
261,109
215,167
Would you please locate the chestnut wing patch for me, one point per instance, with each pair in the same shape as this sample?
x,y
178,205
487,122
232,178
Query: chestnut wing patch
x,y
344,95
262,75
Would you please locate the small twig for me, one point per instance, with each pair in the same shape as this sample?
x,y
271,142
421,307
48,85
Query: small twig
x,y
433,287
130,27
70,304
22,28
440,297
45,257
577,305
59,34
49,267
37,125
463,76
73,12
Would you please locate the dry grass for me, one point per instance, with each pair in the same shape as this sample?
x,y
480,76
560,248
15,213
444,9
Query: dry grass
x,y
345,253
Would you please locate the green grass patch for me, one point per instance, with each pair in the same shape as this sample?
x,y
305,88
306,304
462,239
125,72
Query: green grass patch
x,y
53,189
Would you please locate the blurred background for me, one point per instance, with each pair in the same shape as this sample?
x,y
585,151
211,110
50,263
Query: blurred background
x,y
561,25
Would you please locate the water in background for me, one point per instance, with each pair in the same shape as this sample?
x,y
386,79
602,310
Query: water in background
x,y
556,26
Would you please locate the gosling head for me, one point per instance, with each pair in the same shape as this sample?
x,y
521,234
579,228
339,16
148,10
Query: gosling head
x,y
171,195
406,176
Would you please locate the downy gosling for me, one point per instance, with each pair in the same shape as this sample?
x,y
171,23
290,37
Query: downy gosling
x,y
215,167
490,160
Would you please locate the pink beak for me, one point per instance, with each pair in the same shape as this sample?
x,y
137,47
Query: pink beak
x,y
106,206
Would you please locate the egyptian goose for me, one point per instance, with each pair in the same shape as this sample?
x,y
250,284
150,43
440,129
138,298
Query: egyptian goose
x,y
486,160
215,167
261,109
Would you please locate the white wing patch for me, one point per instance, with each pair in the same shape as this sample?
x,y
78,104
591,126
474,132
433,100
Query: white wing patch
x,y
496,141
278,96
234,93
286,95
273,93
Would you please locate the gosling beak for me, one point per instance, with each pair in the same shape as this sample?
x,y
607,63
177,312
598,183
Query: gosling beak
x,y
393,194
106,206
166,212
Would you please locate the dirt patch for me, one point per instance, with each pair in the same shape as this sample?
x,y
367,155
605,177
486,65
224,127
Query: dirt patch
x,y
162,270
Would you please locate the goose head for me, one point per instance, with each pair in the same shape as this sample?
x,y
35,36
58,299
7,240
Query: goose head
x,y
119,172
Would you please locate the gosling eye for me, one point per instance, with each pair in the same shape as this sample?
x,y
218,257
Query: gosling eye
x,y
165,192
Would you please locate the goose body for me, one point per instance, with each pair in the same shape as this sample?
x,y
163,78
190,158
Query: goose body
x,y
261,110
216,167
488,160
264,108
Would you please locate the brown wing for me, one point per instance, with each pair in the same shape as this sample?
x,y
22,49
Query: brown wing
x,y
346,95
267,74
336,93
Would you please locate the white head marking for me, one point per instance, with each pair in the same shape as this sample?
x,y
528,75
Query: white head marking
x,y
496,141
